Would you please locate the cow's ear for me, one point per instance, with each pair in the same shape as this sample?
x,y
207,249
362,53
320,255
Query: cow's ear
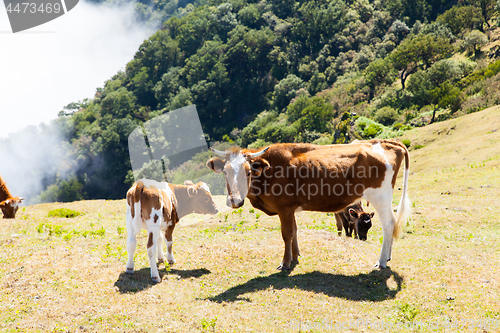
x,y
216,164
188,183
372,214
3,204
192,191
353,213
21,199
258,166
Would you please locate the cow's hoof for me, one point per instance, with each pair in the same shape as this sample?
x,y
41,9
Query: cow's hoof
x,y
160,261
295,262
379,266
156,279
281,267
171,262
129,270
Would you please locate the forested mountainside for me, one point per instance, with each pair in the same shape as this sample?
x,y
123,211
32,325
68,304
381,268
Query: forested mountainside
x,y
259,72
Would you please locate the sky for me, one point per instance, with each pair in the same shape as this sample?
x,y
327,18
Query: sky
x,y
47,67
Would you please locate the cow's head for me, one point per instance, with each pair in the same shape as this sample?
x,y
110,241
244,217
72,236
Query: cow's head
x,y
203,201
238,168
362,222
10,206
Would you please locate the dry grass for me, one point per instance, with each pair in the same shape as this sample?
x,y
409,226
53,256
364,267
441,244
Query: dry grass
x,y
68,274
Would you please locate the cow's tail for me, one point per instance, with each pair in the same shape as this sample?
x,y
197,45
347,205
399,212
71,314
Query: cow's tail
x,y
404,208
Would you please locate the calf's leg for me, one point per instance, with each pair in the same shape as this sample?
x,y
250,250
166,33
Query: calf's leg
x,y
161,256
153,235
169,242
131,242
340,224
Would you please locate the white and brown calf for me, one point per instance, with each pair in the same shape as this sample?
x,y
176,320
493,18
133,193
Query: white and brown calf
x,y
157,207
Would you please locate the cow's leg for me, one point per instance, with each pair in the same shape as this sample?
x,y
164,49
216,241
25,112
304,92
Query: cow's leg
x,y
388,221
287,220
169,242
161,256
153,235
131,242
295,243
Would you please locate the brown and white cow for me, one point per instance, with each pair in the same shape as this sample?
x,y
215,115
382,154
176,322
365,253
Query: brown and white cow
x,y
157,207
8,204
354,219
287,177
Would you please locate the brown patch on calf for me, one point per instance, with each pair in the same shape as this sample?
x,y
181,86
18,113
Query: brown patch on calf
x,y
150,240
156,218
149,200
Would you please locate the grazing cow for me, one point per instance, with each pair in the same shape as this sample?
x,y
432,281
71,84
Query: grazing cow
x,y
354,218
157,207
288,177
8,204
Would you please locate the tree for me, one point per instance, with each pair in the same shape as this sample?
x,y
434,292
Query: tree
x,y
419,51
474,40
487,8
377,73
443,96
285,90
460,18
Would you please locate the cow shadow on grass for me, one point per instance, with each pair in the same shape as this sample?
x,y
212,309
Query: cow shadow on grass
x,y
373,286
141,280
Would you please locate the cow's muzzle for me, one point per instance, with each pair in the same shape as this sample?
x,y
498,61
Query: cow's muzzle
x,y
234,202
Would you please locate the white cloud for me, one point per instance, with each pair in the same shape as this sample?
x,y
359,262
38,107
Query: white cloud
x,y
62,61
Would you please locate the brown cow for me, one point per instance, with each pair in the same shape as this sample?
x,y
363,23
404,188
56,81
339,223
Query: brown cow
x,y
8,204
157,207
354,218
287,177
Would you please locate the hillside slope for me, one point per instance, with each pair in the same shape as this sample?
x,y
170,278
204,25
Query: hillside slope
x,y
473,138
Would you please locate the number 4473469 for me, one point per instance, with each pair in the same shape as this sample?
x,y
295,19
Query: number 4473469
x,y
31,7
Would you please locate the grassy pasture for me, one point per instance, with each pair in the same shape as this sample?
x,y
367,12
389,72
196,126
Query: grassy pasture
x,y
67,274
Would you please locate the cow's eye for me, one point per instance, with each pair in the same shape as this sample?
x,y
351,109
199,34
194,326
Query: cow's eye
x,y
248,173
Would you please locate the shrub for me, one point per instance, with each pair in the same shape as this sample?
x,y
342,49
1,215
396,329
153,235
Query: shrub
x,y
372,130
64,212
401,127
386,116
406,142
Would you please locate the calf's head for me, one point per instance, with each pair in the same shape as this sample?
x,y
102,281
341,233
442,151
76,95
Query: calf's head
x,y
362,222
203,201
10,206
238,168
